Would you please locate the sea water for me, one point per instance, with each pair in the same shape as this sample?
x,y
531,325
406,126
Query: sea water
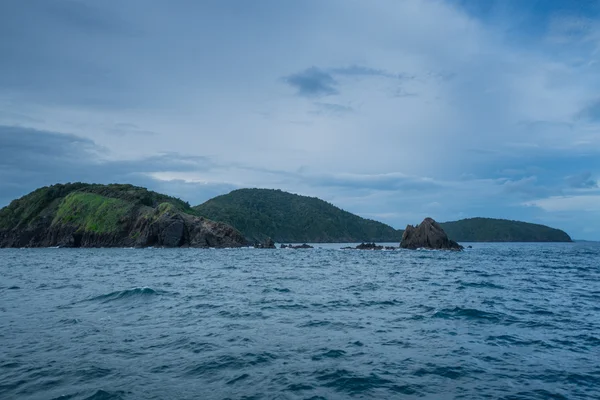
x,y
497,321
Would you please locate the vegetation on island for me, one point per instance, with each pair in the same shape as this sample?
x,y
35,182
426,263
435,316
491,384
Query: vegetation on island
x,y
291,218
501,230
85,205
92,215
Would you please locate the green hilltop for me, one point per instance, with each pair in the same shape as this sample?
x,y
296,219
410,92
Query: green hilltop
x,y
501,230
287,217
90,206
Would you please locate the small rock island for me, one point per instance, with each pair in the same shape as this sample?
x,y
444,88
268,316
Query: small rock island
x,y
427,235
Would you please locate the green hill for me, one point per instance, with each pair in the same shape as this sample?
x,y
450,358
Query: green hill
x,y
286,217
501,230
90,215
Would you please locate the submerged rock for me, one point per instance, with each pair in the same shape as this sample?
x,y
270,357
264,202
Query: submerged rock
x,y
369,246
428,235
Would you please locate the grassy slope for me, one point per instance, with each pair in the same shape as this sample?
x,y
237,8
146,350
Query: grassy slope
x,y
500,230
287,217
92,212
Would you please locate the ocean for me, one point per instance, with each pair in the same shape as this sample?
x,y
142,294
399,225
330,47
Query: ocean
x,y
497,321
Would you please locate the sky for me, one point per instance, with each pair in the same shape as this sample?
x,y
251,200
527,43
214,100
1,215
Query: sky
x,y
392,109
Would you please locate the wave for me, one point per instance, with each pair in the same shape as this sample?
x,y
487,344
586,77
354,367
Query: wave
x,y
139,292
104,395
446,372
343,380
536,394
333,353
229,362
512,340
329,325
482,285
469,314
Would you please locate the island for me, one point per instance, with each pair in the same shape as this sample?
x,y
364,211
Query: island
x,y
123,215
291,218
501,230
90,215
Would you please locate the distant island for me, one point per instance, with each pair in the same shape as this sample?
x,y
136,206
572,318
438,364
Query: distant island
x,y
501,230
122,215
86,215
291,218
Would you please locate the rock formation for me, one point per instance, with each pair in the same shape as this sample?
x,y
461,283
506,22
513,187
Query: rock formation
x,y
369,246
428,235
300,246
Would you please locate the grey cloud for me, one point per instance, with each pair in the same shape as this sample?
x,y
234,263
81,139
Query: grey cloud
x,y
382,182
332,108
528,187
84,17
123,129
401,92
15,117
313,82
31,158
57,52
591,112
358,70
581,181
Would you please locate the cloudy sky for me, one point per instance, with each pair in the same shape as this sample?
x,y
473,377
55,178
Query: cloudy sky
x,y
392,109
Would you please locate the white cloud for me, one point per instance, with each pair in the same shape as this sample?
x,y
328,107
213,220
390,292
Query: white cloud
x,y
583,203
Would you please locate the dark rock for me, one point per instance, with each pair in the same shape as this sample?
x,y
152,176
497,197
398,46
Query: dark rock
x,y
171,231
369,246
428,235
300,246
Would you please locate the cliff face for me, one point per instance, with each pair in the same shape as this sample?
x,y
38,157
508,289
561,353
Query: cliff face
x,y
80,215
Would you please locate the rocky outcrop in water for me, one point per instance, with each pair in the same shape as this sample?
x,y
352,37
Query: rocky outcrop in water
x,y
427,235
300,246
369,246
